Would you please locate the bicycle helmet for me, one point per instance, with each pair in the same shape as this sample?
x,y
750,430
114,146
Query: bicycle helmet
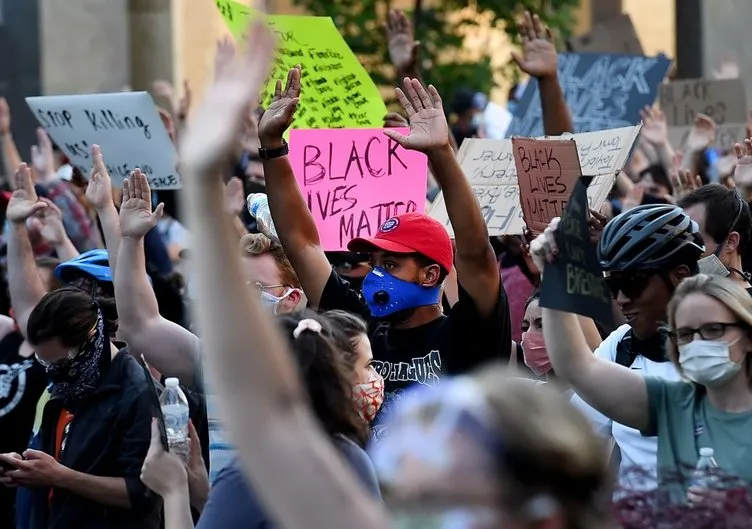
x,y
93,264
649,237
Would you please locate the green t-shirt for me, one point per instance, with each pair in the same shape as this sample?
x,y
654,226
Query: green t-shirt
x,y
684,420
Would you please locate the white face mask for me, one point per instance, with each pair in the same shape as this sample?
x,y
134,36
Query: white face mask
x,y
707,362
272,302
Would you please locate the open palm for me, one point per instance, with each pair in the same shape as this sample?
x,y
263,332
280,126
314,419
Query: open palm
x,y
136,217
277,118
538,56
428,125
24,202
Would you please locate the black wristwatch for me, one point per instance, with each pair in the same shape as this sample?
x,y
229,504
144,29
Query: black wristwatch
x,y
268,154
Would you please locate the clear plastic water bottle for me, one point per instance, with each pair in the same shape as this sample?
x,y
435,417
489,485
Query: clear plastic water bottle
x,y
175,412
258,207
706,473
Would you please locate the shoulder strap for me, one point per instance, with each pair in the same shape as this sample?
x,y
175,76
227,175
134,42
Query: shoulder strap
x,y
624,355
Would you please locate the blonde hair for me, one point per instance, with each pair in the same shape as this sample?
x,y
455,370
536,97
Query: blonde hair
x,y
255,244
730,293
550,449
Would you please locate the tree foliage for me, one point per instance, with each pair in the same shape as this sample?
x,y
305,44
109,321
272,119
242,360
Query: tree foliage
x,y
361,24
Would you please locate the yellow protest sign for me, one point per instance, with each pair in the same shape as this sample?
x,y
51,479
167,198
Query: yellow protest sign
x,y
336,91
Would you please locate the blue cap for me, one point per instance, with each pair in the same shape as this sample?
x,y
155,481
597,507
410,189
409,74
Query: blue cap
x,y
94,264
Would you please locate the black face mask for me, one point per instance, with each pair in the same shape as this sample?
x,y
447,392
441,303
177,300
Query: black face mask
x,y
356,283
77,378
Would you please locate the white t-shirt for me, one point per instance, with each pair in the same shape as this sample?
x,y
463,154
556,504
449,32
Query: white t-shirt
x,y
636,450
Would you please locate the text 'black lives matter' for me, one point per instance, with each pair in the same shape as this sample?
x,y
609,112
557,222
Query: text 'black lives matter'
x,y
603,91
574,282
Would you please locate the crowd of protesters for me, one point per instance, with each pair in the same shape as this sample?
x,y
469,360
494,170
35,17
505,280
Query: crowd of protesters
x,y
463,402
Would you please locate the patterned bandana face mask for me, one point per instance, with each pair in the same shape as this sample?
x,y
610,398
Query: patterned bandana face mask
x,y
78,377
368,397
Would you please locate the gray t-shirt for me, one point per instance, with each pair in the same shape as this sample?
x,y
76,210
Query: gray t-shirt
x,y
232,503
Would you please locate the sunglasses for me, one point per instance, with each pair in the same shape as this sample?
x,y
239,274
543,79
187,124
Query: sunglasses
x,y
631,285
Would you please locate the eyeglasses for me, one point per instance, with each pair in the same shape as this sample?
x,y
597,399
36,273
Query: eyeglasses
x,y
709,331
261,287
631,285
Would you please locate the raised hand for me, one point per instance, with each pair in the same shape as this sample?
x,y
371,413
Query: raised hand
x,y
53,230
234,202
654,125
633,198
687,183
165,89
428,126
99,190
743,171
136,217
224,56
702,134
42,156
538,56
24,201
184,104
277,118
403,48
4,117
218,123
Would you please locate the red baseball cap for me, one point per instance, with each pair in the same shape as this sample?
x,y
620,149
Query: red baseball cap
x,y
410,233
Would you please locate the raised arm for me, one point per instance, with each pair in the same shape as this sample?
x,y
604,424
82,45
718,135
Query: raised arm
x,y
11,157
617,392
539,60
25,284
293,221
475,260
168,347
99,195
257,383
53,232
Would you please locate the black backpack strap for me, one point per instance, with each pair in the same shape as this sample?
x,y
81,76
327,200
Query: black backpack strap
x,y
155,403
624,355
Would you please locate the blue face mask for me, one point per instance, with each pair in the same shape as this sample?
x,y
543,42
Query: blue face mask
x,y
386,294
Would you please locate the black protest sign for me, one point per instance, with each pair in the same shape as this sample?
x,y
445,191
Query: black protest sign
x,y
574,282
603,92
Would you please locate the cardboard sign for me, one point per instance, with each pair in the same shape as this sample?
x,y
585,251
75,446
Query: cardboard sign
x,y
603,92
354,180
125,125
336,91
574,282
616,35
489,166
547,171
724,100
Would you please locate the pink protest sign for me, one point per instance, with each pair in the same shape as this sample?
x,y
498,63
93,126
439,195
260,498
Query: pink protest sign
x,y
355,179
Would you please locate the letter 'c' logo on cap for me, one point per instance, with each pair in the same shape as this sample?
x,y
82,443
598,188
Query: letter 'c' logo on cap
x,y
389,225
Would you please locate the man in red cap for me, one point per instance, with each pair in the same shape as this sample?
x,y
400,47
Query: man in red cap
x,y
413,341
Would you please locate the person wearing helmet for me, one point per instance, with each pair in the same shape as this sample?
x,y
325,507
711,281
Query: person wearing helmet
x,y
644,253
89,272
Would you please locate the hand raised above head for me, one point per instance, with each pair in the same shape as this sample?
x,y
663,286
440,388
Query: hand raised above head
x,y
136,217
538,57
24,202
218,122
99,189
403,48
278,117
428,125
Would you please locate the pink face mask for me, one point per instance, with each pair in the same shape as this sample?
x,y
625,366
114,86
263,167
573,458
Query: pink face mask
x,y
534,353
368,397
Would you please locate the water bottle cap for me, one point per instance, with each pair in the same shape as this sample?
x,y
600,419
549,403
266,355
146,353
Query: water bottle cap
x,y
253,201
706,452
173,382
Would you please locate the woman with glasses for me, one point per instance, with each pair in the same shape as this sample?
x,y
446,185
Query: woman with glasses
x,y
644,253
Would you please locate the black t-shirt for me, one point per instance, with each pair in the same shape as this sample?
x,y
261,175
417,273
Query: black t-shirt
x,y
22,382
452,344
